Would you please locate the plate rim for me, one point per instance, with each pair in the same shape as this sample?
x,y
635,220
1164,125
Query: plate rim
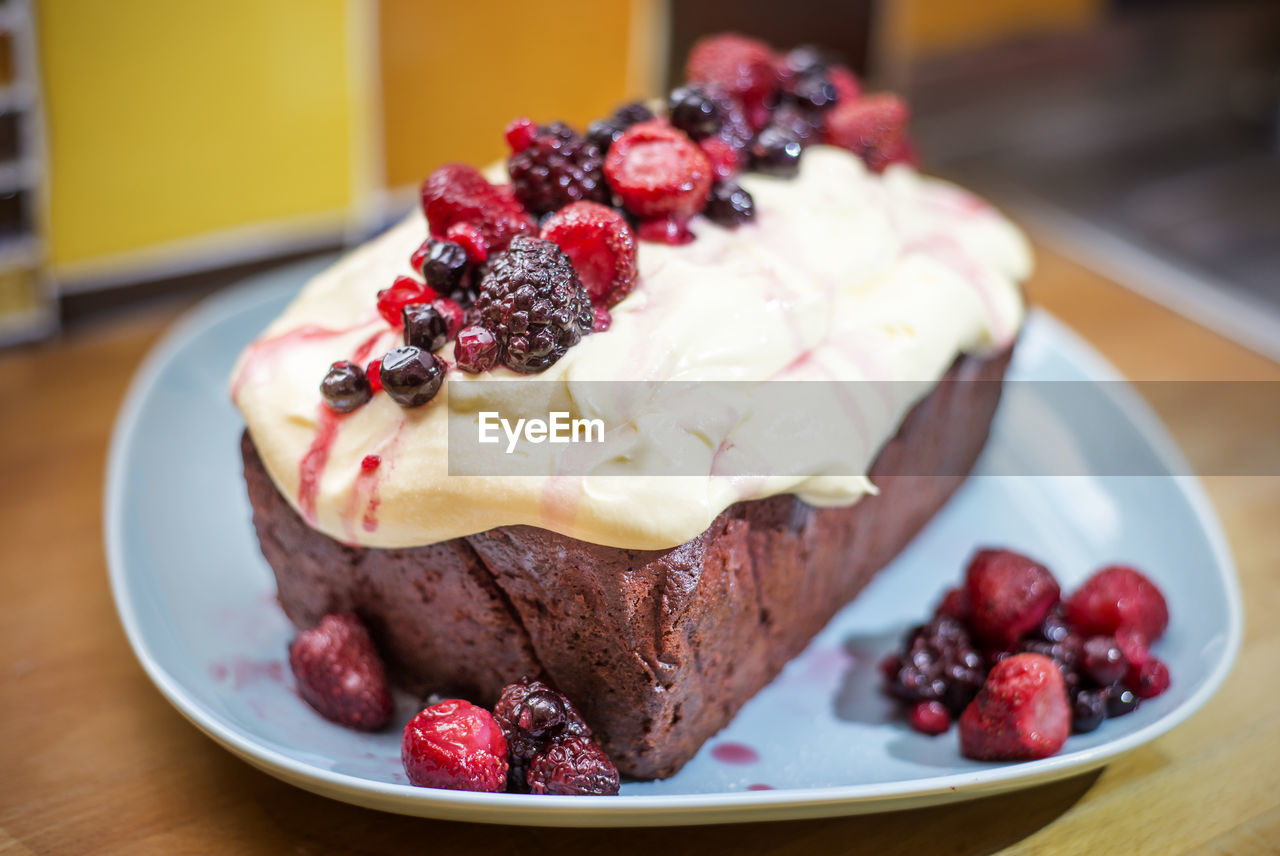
x,y
657,809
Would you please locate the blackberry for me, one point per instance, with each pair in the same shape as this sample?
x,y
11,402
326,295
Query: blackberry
x,y
775,152
573,766
425,327
629,114
728,205
557,168
602,132
345,387
938,663
445,267
531,716
534,304
695,111
411,376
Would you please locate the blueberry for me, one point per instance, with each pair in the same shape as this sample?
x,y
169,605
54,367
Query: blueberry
x,y
695,112
1088,710
729,205
425,327
411,376
1121,700
775,152
345,387
603,132
445,267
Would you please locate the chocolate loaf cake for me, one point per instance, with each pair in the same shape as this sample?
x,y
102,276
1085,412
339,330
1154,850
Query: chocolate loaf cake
x,y
660,648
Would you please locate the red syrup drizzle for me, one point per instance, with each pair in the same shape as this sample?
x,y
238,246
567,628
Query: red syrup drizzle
x,y
759,787
273,344
735,753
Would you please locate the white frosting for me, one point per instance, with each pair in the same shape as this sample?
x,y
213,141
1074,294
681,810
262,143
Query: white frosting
x,y
844,275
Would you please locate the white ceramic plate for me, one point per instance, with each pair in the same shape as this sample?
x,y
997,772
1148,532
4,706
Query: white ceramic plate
x,y
197,601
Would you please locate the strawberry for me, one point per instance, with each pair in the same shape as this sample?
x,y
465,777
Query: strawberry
x,y
339,673
455,745
404,291
658,172
873,128
1020,714
742,67
456,193
601,246
1008,595
1116,598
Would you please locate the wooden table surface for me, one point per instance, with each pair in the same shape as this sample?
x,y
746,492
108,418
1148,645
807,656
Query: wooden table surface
x,y
93,759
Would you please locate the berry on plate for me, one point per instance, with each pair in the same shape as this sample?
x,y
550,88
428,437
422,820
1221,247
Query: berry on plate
x,y
572,766
339,673
1020,714
601,246
1117,598
1008,595
455,745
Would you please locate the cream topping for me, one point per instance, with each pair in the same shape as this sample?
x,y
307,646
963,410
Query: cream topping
x,y
843,275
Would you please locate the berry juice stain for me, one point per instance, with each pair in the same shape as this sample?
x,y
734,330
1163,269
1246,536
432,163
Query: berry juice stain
x,y
759,787
734,753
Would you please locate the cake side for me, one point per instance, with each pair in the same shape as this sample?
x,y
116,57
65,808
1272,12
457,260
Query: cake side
x,y
660,648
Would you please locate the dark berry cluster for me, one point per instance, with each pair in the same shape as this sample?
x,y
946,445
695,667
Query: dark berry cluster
x,y
549,744
555,167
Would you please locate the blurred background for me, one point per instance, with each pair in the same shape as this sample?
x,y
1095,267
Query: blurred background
x,y
152,149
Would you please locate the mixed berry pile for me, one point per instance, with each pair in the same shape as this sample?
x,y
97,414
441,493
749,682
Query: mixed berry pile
x,y
516,274
533,741
1019,667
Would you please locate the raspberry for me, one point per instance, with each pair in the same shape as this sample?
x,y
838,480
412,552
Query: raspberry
x,y
929,717
729,205
345,387
534,304
1119,598
601,246
340,674
873,128
938,663
1009,595
404,291
556,167
456,193
471,239
456,745
476,350
742,67
411,376
1020,714
572,766
725,158
1151,679
520,133
658,172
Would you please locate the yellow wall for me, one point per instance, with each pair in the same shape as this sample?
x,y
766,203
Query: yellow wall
x,y
170,119
941,25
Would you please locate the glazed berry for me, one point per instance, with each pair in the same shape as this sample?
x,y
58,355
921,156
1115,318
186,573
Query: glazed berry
x,y
373,374
345,387
873,128
743,68
425,327
556,168
601,246
729,205
631,113
572,766
475,350
472,240
1119,597
411,376
693,110
1121,700
339,673
456,193
452,314
520,133
1088,710
603,132
775,152
1151,679
455,745
658,172
534,304
929,717
405,290
1009,595
1020,714
531,715
725,157
1103,661
444,265
938,663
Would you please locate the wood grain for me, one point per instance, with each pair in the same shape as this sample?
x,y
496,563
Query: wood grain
x,y
92,759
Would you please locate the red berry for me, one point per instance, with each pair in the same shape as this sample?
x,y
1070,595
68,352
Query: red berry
x,y
455,745
451,312
405,291
929,717
1151,679
1008,594
340,674
601,246
658,171
1119,598
1103,661
1134,647
954,603
373,372
871,127
456,193
476,349
572,766
471,239
724,157
601,320
665,230
1021,712
420,255
742,67
369,463
520,133
846,83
